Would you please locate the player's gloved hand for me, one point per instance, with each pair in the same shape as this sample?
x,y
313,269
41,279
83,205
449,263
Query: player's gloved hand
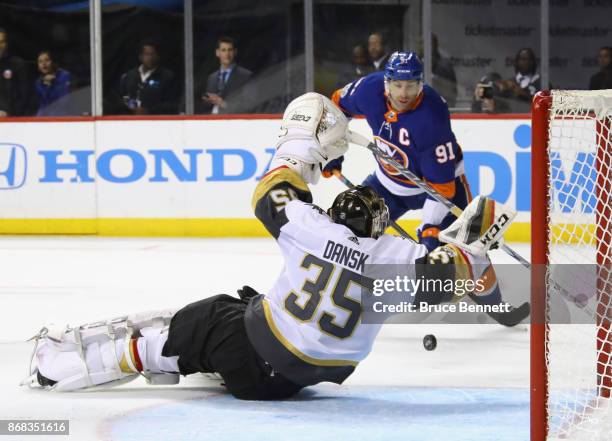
x,y
428,236
336,164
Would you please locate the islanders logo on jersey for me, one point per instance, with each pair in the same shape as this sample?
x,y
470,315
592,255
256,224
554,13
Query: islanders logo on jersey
x,y
396,153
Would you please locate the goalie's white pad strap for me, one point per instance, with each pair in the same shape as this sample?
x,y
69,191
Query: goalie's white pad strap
x,y
310,173
480,226
78,343
55,332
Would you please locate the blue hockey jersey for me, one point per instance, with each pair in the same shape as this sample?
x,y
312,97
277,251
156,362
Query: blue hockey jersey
x,y
420,139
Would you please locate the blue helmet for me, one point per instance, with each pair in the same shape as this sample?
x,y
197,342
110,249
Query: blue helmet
x,y
404,66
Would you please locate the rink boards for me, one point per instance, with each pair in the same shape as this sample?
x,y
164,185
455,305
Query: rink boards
x,y
194,177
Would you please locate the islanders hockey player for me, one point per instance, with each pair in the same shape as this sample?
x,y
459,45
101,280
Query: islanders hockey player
x,y
411,122
307,327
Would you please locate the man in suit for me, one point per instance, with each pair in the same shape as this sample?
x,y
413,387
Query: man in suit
x,y
226,89
377,51
149,88
360,66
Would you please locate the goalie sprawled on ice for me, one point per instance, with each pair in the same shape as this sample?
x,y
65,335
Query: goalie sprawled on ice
x,y
306,328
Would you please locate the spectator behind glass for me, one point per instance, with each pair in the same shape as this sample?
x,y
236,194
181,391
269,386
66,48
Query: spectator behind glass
x,y
360,66
603,79
14,83
526,81
444,79
149,88
487,97
52,84
226,89
377,50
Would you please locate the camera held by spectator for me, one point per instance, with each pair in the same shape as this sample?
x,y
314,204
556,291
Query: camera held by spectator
x,y
487,95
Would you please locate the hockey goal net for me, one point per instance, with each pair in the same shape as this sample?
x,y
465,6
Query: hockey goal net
x,y
571,363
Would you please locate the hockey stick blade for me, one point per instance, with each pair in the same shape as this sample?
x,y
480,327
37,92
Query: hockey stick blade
x,y
512,317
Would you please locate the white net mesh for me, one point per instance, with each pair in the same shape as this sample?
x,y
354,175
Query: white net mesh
x,y
580,222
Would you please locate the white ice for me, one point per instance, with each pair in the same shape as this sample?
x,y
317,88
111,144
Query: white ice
x,y
474,386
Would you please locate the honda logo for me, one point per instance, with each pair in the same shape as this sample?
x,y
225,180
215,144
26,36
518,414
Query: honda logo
x,y
13,166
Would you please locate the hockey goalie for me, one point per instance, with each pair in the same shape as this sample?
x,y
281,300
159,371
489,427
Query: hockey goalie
x,y
306,327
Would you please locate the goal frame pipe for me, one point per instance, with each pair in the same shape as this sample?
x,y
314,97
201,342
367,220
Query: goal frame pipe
x,y
603,234
540,170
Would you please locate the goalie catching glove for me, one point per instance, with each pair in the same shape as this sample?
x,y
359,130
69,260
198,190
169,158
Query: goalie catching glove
x,y
314,132
480,227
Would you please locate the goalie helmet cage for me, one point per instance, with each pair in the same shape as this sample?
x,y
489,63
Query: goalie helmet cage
x,y
571,364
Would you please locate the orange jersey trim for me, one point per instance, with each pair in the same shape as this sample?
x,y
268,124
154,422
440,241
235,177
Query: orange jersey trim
x,y
336,100
430,232
336,97
488,280
385,167
466,185
446,189
391,114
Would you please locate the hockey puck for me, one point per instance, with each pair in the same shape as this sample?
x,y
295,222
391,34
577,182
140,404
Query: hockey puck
x,y
581,300
430,342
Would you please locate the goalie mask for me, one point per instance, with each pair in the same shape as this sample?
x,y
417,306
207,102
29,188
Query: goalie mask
x,y
361,210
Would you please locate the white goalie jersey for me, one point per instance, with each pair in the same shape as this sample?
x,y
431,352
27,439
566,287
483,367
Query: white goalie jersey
x,y
313,311
315,303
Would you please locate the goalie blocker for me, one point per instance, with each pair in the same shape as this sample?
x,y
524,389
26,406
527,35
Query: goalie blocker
x,y
479,228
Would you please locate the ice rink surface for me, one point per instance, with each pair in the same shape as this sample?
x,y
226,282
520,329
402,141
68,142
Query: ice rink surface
x,y
473,387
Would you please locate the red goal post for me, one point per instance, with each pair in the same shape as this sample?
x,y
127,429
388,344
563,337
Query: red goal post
x,y
571,364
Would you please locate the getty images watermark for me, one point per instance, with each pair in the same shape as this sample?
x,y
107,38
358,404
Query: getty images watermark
x,y
458,294
447,291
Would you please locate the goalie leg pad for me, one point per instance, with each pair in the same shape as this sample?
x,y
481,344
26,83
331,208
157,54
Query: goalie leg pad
x,y
104,353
